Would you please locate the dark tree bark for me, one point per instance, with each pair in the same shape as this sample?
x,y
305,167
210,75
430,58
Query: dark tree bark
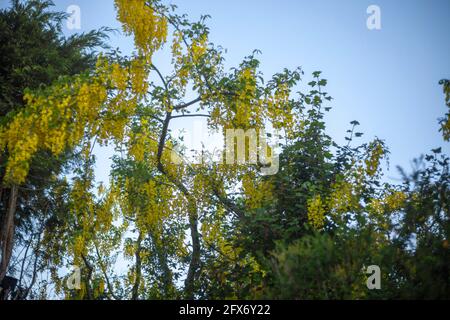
x,y
7,232
138,269
195,259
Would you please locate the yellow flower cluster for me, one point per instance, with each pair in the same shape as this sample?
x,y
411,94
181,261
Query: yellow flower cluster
x,y
79,248
178,60
396,200
249,111
105,211
22,143
376,206
143,145
139,75
198,48
373,160
119,77
343,198
202,188
51,122
65,113
316,212
249,108
138,18
151,203
156,205
212,232
186,59
257,192
279,108
393,201
174,169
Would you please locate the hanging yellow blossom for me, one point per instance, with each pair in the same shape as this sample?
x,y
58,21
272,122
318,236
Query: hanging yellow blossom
x,y
139,19
343,198
258,193
373,160
316,212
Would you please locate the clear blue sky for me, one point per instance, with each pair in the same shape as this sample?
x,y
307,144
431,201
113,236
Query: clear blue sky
x,y
386,79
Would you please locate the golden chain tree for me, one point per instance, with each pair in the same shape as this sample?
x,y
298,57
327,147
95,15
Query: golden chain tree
x,y
160,213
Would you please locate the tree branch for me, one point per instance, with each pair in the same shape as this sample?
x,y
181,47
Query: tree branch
x,y
187,104
191,116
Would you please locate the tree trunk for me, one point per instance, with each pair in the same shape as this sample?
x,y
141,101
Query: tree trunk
x,y
195,260
189,283
167,277
1,185
7,232
138,270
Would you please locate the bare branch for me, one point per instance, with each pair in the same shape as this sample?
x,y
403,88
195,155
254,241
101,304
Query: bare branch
x,y
191,116
188,104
